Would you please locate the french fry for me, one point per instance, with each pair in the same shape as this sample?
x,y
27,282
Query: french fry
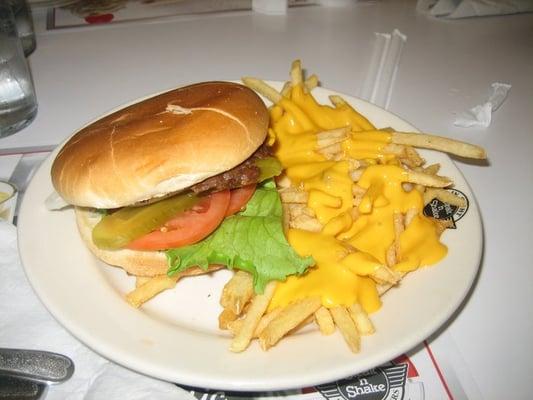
x,y
355,213
420,188
382,288
393,254
296,73
265,320
443,224
339,224
397,149
432,169
283,181
364,124
355,164
410,157
398,229
409,215
288,319
298,209
310,318
237,292
286,89
362,322
390,256
234,326
226,317
306,222
324,321
257,308
414,157
329,145
440,143
358,190
263,88
408,186
358,194
151,288
356,174
311,82
333,152
347,327
333,136
421,178
444,196
293,195
384,274
141,280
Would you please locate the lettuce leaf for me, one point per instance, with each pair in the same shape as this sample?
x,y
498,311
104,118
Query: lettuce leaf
x,y
251,240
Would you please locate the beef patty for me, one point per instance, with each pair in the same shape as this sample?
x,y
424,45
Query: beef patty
x,y
243,174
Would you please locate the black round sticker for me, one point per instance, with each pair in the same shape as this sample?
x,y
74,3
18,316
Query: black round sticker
x,y
438,209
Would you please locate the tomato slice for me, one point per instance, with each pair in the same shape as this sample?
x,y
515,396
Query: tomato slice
x,y
239,198
188,227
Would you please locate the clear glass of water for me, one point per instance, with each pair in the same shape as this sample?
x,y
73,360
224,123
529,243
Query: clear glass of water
x,y
18,104
24,22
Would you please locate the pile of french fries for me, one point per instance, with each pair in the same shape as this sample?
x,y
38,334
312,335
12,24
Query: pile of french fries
x,y
246,315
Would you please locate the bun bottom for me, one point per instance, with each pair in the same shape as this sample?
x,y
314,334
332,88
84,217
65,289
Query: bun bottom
x,y
134,262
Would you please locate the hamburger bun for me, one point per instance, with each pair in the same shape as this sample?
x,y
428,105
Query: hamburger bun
x,y
161,145
152,149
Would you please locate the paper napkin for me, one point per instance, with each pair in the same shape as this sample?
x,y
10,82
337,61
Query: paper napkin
x,y
25,323
480,116
473,8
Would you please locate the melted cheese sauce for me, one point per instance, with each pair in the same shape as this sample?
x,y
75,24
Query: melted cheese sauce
x,y
354,240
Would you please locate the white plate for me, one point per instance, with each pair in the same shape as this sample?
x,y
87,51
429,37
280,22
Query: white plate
x,y
175,336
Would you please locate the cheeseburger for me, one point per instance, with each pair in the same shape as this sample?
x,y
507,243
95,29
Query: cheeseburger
x,y
180,181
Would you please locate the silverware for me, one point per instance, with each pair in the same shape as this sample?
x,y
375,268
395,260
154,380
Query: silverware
x,y
35,365
21,389
23,173
27,150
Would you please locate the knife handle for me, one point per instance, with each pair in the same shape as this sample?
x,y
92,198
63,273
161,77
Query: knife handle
x,y
21,389
35,365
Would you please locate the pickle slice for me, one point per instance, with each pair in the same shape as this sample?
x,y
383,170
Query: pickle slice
x,y
269,166
116,230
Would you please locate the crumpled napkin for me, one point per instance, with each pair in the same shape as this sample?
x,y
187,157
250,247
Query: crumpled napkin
x,y
480,116
25,323
473,8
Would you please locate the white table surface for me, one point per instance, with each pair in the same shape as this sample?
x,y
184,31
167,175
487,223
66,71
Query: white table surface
x,y
446,67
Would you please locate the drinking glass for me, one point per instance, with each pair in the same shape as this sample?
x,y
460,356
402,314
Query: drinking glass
x,y
24,22
18,104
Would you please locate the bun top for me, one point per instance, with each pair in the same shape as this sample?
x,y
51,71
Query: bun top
x,y
160,145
